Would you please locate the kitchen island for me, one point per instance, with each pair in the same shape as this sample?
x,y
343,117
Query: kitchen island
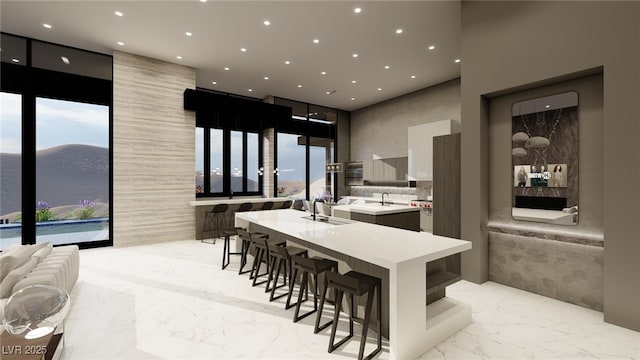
x,y
394,215
398,257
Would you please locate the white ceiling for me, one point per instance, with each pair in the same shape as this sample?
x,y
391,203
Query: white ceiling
x,y
221,28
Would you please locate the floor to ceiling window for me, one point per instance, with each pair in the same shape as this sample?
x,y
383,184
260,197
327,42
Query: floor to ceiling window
x,y
11,169
305,146
55,149
291,170
72,171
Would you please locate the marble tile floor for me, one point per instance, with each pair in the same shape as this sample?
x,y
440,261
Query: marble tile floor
x,y
172,301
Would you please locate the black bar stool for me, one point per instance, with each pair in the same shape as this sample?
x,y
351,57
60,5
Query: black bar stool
x,y
287,204
354,284
214,221
245,237
268,205
281,256
230,230
314,266
261,243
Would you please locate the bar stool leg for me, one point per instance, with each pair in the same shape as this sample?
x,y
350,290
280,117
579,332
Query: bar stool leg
x,y
365,325
292,282
226,252
323,296
243,257
336,317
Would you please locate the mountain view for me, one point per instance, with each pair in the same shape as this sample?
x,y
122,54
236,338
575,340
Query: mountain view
x,y
65,176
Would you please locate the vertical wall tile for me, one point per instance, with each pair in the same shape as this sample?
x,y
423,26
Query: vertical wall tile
x,y
153,151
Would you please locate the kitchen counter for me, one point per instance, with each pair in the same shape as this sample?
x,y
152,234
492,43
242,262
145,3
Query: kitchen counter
x,y
400,254
375,209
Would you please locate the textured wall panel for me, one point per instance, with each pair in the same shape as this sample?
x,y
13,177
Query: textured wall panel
x,y
560,270
153,151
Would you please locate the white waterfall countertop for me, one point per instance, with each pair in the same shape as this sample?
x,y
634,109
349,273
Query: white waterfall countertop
x,y
380,245
413,326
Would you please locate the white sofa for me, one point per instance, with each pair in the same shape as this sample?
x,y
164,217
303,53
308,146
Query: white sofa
x,y
40,264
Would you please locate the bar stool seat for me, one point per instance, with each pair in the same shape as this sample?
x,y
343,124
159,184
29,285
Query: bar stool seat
x,y
260,243
354,284
245,237
214,222
314,266
281,257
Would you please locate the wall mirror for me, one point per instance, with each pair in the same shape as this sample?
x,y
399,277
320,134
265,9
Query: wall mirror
x,y
544,159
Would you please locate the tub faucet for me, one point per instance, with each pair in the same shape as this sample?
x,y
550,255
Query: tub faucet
x,y
314,207
383,194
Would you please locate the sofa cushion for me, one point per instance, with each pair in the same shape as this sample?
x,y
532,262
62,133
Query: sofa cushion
x,y
17,274
17,256
43,252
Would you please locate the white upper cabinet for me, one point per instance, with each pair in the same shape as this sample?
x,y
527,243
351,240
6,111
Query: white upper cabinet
x,y
420,143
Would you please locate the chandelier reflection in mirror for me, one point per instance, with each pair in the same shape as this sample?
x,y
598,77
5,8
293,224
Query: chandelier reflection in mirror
x,y
545,156
35,311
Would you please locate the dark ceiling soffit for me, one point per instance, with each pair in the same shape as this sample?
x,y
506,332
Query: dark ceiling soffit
x,y
214,105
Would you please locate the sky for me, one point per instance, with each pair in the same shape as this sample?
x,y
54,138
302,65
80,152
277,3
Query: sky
x,y
58,122
61,122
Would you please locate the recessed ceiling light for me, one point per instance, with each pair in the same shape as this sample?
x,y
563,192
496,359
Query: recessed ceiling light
x,y
399,31
119,13
328,92
299,86
353,99
179,57
413,76
203,1
379,89
547,106
120,43
315,41
287,62
456,60
357,10
324,73
226,68
243,49
266,78
65,60
353,81
15,60
188,34
431,47
47,26
267,22
214,82
250,90
386,67
355,55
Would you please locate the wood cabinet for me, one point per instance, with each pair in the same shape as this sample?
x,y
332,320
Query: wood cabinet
x,y
406,220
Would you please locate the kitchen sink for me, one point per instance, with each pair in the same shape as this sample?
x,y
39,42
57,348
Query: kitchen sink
x,y
328,220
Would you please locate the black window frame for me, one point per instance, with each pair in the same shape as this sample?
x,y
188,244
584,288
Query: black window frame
x,y
226,162
32,83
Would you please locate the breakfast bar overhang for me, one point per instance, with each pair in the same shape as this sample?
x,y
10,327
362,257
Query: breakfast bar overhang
x,y
411,325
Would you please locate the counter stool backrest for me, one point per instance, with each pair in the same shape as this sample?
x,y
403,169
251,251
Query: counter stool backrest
x,y
268,205
244,207
287,204
220,208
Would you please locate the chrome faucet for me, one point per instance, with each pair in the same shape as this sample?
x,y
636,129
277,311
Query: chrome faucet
x,y
383,194
314,207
